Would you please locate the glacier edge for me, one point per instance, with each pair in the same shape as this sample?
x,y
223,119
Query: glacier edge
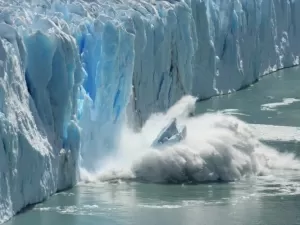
x,y
72,72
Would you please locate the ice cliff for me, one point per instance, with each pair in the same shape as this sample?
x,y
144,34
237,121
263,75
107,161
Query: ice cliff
x,y
71,72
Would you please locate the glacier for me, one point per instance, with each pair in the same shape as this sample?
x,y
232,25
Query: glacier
x,y
72,72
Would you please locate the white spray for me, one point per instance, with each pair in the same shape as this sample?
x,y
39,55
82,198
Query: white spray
x,y
217,147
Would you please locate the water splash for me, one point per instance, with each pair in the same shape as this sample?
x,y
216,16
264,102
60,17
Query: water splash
x,y
218,147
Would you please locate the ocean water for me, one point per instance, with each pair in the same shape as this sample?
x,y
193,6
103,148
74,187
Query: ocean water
x,y
264,177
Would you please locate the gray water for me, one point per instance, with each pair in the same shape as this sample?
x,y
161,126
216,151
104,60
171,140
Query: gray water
x,y
252,201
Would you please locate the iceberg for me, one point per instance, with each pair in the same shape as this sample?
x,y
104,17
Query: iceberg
x,y
170,134
73,72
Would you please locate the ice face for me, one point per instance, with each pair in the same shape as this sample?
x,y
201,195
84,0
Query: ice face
x,y
73,71
40,76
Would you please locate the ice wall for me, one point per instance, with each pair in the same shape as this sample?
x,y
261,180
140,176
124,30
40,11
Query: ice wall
x,y
71,72
211,47
40,73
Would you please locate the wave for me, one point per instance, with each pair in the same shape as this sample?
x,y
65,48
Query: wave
x,y
217,147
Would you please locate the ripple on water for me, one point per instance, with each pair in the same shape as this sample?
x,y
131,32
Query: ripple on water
x,y
280,186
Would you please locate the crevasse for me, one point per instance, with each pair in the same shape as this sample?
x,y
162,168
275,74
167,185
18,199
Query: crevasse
x,y
71,73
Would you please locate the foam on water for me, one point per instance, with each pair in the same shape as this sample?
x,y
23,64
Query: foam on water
x,y
161,206
218,147
71,210
273,106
